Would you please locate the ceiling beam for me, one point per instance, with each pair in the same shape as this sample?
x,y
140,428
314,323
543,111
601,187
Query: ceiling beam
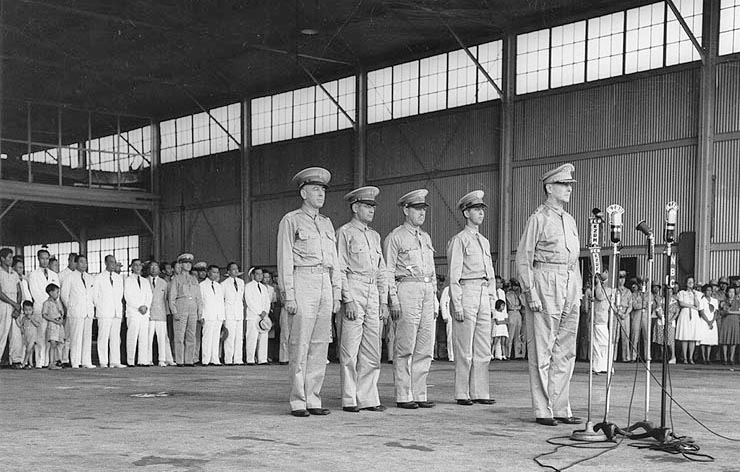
x,y
64,195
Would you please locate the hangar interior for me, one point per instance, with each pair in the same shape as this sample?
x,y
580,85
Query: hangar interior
x,y
152,128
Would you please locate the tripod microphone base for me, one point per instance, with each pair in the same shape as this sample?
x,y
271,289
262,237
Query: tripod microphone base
x,y
662,435
588,434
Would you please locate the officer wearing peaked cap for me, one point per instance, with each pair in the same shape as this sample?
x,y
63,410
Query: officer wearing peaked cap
x,y
310,285
472,299
409,255
547,267
186,306
365,301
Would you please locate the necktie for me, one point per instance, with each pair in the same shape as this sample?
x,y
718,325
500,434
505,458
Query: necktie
x,y
236,286
258,287
138,281
213,287
46,274
154,282
111,279
82,276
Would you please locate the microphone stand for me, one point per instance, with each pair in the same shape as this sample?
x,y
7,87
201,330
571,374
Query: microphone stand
x,y
611,429
595,221
643,228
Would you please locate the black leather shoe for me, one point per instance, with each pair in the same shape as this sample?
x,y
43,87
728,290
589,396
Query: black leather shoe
x,y
407,405
319,411
465,402
283,363
569,420
546,421
375,408
425,404
351,409
484,401
300,413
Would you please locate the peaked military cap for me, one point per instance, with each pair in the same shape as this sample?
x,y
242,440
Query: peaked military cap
x,y
563,174
200,265
415,198
472,199
185,257
312,176
724,280
364,195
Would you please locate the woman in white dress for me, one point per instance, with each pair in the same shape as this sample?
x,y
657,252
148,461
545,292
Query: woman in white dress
x,y
687,325
708,331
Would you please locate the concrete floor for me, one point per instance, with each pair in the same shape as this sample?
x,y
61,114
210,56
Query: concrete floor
x,y
236,418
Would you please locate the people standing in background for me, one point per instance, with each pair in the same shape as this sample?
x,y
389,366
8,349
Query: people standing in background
x,y
409,256
639,321
257,301
729,334
472,295
38,280
515,346
185,304
70,269
200,270
53,312
158,318
11,297
212,314
687,325
444,313
274,315
233,287
54,264
30,327
78,295
708,332
108,299
137,293
622,327
500,331
310,287
603,295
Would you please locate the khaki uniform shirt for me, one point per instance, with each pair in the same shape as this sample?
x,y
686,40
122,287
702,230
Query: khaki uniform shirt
x,y
624,301
469,257
358,248
408,253
306,240
185,287
550,236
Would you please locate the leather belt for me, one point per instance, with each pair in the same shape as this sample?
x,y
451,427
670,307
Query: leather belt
x,y
479,281
362,278
554,266
427,279
312,269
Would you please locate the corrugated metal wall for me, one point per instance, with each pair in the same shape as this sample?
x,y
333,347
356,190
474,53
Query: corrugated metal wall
x,y
642,183
201,181
726,214
724,263
273,165
444,141
728,97
630,112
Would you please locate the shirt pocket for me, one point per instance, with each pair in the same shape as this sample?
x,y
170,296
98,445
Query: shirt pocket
x,y
305,242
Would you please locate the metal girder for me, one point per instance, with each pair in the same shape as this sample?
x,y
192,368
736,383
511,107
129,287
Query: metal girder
x,y
8,208
75,148
478,65
702,52
297,54
326,92
65,195
205,110
68,230
143,220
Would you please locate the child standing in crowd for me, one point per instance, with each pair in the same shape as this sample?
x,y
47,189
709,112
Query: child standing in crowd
x,y
500,332
30,327
53,312
708,331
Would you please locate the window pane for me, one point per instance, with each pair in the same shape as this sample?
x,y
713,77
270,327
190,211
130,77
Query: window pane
x,y
644,38
532,61
568,54
379,95
729,36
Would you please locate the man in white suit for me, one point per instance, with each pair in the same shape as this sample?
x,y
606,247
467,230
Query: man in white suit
x,y
158,318
212,294
108,299
257,299
37,282
63,274
233,288
138,295
77,296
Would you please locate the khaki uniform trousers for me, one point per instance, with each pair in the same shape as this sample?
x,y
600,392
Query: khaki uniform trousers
x,y
514,341
309,336
622,330
285,321
184,327
359,353
551,342
639,327
414,345
471,340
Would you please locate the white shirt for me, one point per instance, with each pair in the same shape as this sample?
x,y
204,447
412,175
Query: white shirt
x,y
212,294
233,296
78,296
107,296
444,303
257,298
137,292
65,273
37,282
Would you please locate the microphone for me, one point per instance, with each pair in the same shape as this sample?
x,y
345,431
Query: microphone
x,y
598,214
671,209
643,227
614,213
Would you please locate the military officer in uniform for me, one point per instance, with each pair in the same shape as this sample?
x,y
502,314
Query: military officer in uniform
x,y
365,302
409,255
547,267
185,306
310,285
472,296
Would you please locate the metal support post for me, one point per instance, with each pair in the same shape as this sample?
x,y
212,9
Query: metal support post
x,y
246,216
59,142
506,188
154,184
361,130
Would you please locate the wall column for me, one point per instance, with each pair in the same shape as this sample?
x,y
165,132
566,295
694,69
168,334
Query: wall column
x,y
361,130
246,188
507,158
154,175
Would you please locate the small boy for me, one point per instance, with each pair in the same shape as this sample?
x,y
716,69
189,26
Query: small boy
x,y
500,332
29,326
53,312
